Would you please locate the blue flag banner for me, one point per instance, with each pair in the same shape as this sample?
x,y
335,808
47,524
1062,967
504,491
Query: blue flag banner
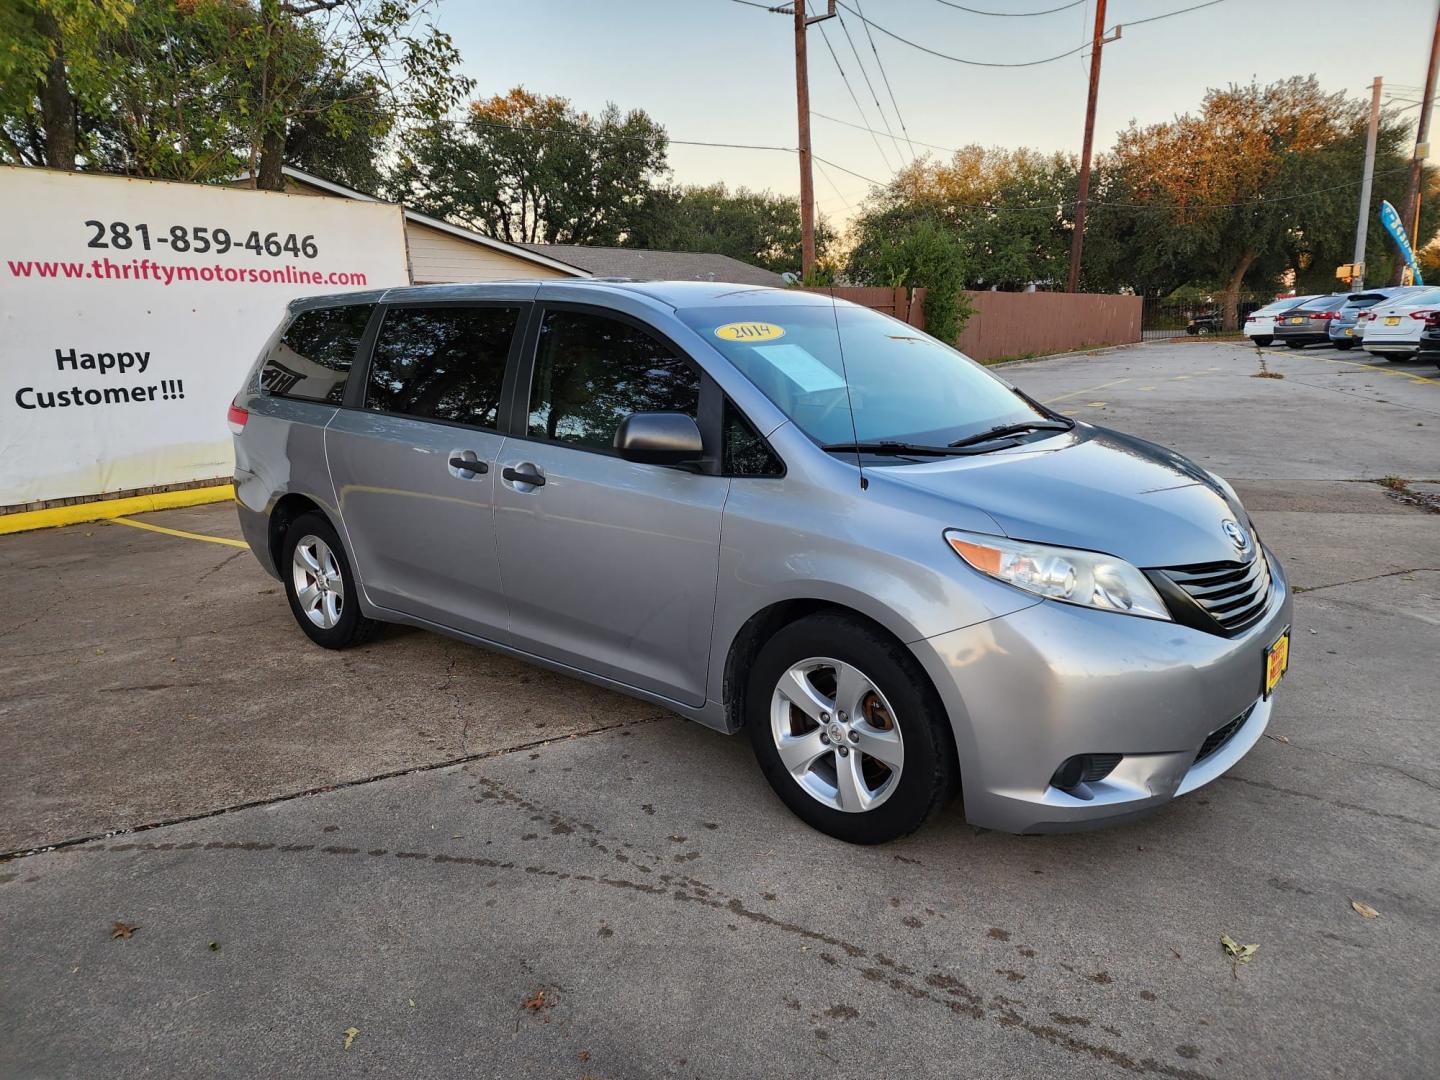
x,y
1396,228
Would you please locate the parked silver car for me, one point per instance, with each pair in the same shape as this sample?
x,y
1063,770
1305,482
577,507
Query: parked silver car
x,y
770,511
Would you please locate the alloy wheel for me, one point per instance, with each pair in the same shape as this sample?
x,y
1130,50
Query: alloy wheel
x,y
319,585
836,734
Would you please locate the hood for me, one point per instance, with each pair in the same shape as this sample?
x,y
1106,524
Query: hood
x,y
1089,488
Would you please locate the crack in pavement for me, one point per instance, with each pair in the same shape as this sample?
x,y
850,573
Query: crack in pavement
x,y
58,845
1431,784
1360,581
1340,803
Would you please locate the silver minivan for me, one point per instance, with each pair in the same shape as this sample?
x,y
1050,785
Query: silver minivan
x,y
774,512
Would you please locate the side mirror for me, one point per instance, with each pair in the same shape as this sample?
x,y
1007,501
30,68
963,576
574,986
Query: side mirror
x,y
659,438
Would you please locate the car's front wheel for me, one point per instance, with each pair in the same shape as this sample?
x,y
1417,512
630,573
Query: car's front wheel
x,y
320,586
848,729
1295,344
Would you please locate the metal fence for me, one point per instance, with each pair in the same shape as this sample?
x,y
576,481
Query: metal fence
x,y
1166,318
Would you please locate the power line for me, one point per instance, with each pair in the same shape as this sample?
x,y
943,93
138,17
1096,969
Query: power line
x,y
858,127
1021,64
846,80
1011,14
961,59
869,85
893,103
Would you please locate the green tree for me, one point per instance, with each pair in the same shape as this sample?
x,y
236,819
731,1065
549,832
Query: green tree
x,y
919,252
531,169
52,68
756,227
1004,208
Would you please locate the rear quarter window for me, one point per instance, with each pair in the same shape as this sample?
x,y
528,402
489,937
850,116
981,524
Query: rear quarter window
x,y
312,359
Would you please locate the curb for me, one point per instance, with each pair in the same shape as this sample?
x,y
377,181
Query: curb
x,y
55,516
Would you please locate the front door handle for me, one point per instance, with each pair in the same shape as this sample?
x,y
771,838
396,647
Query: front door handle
x,y
458,462
530,476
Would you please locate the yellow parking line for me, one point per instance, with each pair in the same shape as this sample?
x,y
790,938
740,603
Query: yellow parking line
x,y
1375,367
1087,390
180,533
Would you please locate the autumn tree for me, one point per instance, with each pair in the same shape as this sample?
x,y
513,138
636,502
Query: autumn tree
x,y
1260,181
532,169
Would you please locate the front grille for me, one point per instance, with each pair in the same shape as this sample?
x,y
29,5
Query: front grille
x,y
1221,735
1230,596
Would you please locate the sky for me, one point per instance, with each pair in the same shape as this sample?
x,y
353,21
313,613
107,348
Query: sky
x,y
723,71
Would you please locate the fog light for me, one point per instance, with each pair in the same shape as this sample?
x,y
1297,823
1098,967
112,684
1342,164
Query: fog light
x,y
1083,769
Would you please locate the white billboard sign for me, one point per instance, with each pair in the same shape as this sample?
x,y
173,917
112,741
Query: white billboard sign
x,y
130,311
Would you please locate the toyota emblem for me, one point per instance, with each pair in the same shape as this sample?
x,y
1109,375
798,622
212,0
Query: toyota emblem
x,y
1236,534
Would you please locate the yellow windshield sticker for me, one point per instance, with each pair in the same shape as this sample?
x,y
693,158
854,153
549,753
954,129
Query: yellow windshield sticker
x,y
749,331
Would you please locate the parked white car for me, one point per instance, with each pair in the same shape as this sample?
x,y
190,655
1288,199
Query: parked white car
x,y
1393,329
1260,324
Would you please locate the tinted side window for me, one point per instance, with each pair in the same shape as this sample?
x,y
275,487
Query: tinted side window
x,y
746,453
442,363
312,358
591,372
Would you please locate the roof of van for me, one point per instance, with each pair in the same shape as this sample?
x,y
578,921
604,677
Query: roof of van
x,y
675,294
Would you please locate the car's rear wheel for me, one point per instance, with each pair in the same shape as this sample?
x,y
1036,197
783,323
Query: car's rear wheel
x,y
1262,340
320,586
848,729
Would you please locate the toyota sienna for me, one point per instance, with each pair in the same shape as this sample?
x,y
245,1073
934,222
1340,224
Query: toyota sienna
x,y
775,512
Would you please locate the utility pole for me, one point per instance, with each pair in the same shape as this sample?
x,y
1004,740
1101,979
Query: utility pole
x,y
1362,224
1411,214
1077,240
802,104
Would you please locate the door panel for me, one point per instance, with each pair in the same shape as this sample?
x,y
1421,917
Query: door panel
x,y
610,566
421,531
419,520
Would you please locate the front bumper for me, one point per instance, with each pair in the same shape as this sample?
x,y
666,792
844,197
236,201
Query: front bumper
x,y
1028,690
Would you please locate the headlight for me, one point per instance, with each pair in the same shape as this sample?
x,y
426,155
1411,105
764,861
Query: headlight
x,y
1087,578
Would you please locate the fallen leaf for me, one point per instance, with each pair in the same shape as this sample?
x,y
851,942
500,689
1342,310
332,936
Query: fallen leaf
x,y
584,1055
1364,910
350,1034
410,1002
214,946
1277,738
122,930
1240,953
535,1002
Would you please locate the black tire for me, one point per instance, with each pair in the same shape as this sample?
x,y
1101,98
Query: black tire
x,y
1295,344
351,628
1343,343
928,776
1261,340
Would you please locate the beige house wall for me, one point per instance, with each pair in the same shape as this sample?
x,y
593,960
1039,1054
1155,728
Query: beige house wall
x,y
437,256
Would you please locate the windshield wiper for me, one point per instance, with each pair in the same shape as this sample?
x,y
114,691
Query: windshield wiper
x,y
898,449
1002,430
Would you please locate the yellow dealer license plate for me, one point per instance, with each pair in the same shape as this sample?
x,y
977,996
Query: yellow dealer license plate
x,y
1349,331
1296,319
1277,661
1392,320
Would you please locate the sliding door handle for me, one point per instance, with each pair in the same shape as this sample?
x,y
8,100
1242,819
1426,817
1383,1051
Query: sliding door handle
x,y
478,467
528,476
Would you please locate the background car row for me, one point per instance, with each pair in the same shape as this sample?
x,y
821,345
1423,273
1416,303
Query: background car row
x,y
1397,323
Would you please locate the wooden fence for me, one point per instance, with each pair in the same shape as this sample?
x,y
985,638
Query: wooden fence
x,y
1007,324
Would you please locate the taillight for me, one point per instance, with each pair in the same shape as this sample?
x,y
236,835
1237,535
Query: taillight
x,y
1250,318
1433,319
236,418
1325,315
1363,316
1423,313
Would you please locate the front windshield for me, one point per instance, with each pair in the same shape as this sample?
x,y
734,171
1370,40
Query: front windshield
x,y
904,386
